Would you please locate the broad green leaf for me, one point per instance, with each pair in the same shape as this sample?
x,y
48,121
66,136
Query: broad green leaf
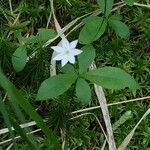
x,y
129,2
68,68
27,107
32,39
111,78
86,58
94,27
83,91
105,6
45,34
120,28
55,86
116,17
19,58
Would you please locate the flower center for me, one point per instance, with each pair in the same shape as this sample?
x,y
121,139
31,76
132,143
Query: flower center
x,y
67,52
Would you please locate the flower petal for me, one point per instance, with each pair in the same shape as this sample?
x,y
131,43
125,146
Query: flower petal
x,y
73,44
76,52
60,44
54,54
57,49
65,43
64,62
71,59
59,57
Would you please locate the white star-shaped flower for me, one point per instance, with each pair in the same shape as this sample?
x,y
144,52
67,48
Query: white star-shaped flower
x,y
65,51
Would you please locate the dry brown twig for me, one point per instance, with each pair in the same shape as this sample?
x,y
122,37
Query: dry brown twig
x,y
103,104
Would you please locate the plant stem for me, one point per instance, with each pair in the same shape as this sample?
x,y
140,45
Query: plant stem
x,y
10,5
111,104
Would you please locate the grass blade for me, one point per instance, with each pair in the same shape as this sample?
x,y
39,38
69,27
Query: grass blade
x,y
16,96
5,114
103,104
128,138
21,132
20,117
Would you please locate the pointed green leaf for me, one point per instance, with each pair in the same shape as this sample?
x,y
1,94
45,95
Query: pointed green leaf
x,y
111,78
68,68
105,6
86,58
55,86
120,28
19,58
32,39
115,17
46,34
83,91
94,27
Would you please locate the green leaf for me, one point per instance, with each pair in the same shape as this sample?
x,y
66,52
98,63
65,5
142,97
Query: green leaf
x,y
55,86
94,27
86,58
115,17
45,34
19,58
18,35
105,6
27,107
32,39
129,2
120,28
111,78
68,68
83,91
